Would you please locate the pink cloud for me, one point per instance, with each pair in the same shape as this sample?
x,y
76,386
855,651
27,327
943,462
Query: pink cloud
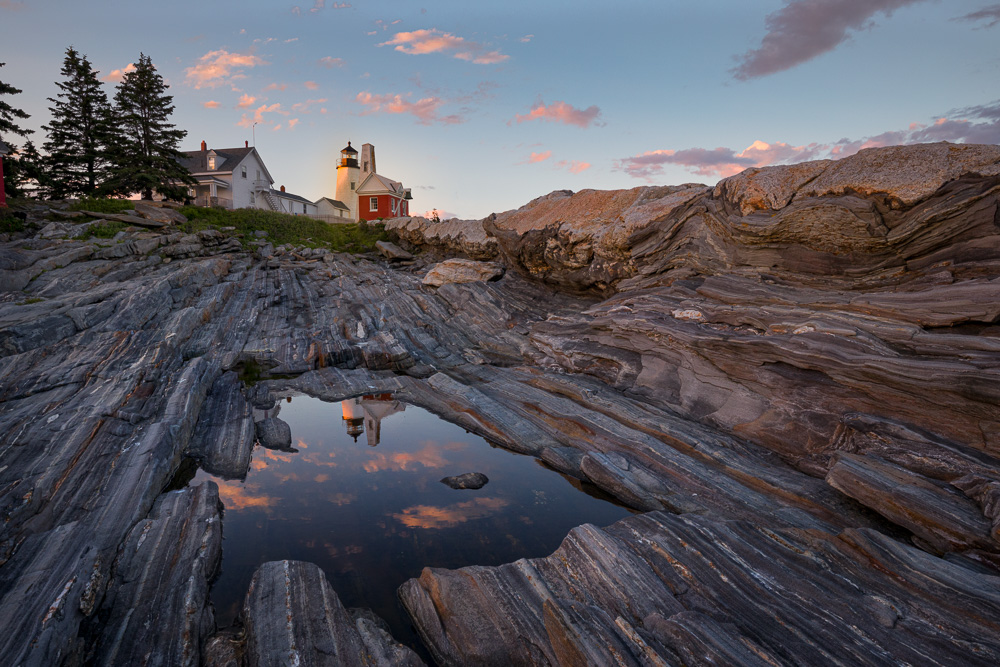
x,y
117,75
422,42
330,62
442,214
311,85
303,107
425,110
276,86
539,157
219,67
11,5
258,115
292,123
573,166
246,101
211,104
560,112
527,38
805,29
978,125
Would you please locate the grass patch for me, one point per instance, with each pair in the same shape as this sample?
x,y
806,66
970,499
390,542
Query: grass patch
x,y
102,230
30,300
9,222
103,205
282,228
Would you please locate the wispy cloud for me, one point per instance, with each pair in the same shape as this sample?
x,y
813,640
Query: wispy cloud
x,y
527,38
304,107
220,67
320,5
276,86
211,104
978,124
11,5
421,42
539,157
805,29
330,62
292,123
311,85
573,166
258,115
246,101
989,14
425,110
561,112
117,75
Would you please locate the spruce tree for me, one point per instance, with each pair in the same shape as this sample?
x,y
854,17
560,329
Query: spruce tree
x,y
9,113
32,177
78,132
145,154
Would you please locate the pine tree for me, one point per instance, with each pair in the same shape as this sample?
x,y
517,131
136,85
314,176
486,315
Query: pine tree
x,y
9,113
78,133
32,177
145,154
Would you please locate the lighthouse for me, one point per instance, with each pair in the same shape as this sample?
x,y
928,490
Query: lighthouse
x,y
348,179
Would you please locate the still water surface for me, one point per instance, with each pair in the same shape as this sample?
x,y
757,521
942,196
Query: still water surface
x,y
361,497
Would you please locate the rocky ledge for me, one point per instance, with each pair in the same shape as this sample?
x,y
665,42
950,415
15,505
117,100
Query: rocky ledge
x,y
791,377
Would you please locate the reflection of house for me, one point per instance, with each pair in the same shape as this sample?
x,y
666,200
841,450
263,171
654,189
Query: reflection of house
x,y
237,178
367,194
364,414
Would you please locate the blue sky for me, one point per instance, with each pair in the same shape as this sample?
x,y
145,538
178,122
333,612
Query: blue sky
x,y
480,107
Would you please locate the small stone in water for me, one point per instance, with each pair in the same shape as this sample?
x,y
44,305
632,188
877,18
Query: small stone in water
x,y
469,480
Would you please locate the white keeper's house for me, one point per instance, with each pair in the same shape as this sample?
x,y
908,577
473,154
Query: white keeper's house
x,y
237,178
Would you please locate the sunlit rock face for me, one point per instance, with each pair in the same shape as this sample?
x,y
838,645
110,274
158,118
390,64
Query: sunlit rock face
x,y
791,377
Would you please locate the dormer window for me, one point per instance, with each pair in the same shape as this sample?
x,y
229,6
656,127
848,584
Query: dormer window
x,y
211,162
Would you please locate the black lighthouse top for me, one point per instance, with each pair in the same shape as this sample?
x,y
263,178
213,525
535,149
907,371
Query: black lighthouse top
x,y
348,157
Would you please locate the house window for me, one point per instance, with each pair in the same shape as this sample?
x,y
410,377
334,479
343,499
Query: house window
x,y
211,162
244,170
303,209
352,185
373,203
253,200
258,174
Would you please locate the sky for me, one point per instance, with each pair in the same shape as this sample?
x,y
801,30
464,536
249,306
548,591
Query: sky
x,y
479,107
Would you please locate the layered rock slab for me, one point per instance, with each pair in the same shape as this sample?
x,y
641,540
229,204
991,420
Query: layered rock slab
x,y
312,628
655,589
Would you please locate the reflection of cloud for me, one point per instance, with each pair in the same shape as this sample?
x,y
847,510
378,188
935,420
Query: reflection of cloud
x,y
804,29
430,516
341,499
235,496
429,457
989,14
319,479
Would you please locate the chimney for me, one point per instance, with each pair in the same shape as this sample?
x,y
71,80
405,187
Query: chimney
x,y
204,146
246,143
282,188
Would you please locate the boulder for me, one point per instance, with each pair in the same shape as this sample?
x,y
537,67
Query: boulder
x,y
466,237
167,216
462,271
274,433
392,252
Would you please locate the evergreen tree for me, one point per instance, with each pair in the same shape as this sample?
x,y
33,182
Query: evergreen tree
x,y
9,113
31,174
79,131
145,154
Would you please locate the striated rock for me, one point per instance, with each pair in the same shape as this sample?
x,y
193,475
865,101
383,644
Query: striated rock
x,y
462,271
129,219
164,214
225,434
465,237
468,480
156,609
391,251
311,627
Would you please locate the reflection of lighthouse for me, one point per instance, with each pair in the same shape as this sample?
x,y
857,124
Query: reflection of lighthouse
x,y
366,414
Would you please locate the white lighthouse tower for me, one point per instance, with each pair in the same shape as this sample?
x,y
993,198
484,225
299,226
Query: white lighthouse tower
x,y
348,179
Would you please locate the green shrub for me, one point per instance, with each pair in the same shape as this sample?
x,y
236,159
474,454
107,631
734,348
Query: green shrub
x,y
282,228
10,222
102,230
103,205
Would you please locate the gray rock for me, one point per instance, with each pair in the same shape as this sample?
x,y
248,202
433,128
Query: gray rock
x,y
166,215
392,251
273,433
468,480
462,271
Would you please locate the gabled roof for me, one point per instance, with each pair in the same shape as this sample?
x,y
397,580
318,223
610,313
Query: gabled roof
x,y
289,195
335,203
197,161
378,184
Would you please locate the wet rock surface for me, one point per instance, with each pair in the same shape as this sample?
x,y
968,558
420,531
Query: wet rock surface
x,y
467,480
793,376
